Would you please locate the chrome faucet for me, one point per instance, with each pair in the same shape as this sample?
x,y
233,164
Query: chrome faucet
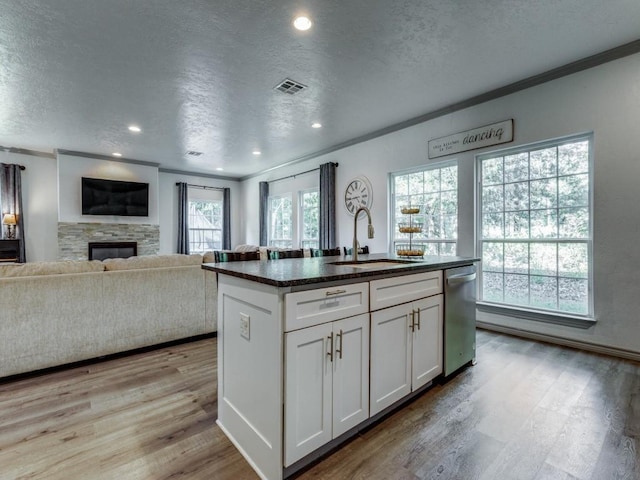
x,y
354,252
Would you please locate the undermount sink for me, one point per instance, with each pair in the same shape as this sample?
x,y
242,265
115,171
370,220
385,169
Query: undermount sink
x,y
375,263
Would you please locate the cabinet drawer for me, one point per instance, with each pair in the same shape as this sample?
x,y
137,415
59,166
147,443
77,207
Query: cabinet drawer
x,y
396,290
312,307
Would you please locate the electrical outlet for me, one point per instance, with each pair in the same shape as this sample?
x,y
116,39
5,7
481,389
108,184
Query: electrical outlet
x,y
244,325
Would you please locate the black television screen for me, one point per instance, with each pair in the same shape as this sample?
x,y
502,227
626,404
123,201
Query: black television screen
x,y
114,197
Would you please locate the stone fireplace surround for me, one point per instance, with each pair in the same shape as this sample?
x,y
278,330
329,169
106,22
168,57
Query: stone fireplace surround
x,y
74,238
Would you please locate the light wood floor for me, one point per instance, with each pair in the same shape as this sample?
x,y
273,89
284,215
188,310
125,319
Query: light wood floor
x,y
526,411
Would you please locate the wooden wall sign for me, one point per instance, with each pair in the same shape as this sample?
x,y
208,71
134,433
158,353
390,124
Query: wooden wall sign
x,y
494,134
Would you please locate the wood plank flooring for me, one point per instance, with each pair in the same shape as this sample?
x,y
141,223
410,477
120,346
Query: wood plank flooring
x,y
527,410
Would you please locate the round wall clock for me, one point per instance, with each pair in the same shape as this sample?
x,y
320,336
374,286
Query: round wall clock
x,y
358,194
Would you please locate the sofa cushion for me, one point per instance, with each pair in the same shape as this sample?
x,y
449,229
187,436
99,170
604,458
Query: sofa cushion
x,y
152,261
51,268
209,257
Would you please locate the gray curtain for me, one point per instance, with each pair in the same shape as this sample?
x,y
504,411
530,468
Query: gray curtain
x,y
264,212
183,218
327,205
11,200
226,219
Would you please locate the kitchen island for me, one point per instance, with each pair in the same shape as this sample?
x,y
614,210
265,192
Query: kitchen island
x,y
312,350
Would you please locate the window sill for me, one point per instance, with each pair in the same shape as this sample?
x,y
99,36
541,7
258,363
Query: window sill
x,y
537,316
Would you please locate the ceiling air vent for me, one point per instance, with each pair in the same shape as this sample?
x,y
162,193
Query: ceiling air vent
x,y
193,153
289,86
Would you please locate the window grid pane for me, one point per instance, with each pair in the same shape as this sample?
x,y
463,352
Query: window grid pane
x,y
280,221
205,226
435,191
310,214
534,228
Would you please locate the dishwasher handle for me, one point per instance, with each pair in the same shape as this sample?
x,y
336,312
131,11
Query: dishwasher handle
x,y
463,278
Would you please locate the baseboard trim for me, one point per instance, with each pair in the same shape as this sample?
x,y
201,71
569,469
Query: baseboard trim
x,y
105,358
591,347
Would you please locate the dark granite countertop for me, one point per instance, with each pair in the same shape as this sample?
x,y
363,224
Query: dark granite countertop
x,y
288,272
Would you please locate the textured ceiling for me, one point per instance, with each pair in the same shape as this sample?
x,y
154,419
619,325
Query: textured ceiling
x,y
198,75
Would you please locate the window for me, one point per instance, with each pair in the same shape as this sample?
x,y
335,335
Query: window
x,y
205,225
294,220
534,227
435,191
310,215
280,221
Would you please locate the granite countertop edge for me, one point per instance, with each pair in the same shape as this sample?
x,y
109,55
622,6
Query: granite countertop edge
x,y
305,271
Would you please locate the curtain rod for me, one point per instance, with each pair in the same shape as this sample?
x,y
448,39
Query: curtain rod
x,y
295,175
204,187
22,167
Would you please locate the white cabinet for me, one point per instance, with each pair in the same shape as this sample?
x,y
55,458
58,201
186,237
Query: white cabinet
x,y
299,371
406,349
331,383
326,383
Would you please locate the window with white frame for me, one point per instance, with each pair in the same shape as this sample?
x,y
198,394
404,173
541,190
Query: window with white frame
x,y
205,225
534,227
309,218
434,190
280,221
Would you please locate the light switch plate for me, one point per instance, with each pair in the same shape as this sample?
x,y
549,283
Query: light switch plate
x,y
245,322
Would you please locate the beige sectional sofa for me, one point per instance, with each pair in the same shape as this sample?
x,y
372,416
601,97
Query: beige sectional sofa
x,y
53,313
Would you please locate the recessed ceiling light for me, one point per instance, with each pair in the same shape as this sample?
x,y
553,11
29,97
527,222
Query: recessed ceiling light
x,y
220,169
316,125
116,154
257,152
134,128
302,23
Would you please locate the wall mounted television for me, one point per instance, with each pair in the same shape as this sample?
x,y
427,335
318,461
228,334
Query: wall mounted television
x,y
114,197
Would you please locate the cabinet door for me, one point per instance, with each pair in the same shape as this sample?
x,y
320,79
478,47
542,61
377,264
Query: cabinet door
x,y
427,340
307,390
350,373
390,356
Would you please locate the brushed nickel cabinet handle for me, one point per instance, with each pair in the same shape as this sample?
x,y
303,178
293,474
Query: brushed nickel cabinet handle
x,y
330,352
339,350
335,292
412,325
418,312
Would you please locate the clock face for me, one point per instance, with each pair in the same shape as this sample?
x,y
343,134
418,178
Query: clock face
x,y
358,194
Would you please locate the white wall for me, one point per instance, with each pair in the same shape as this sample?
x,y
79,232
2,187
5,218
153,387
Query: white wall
x,y
39,201
41,198
278,184
72,168
374,159
604,100
168,207
292,186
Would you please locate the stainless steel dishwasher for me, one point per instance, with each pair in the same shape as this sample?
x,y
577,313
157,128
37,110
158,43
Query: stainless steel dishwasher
x,y
459,317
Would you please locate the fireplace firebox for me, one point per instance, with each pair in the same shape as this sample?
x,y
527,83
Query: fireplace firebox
x,y
102,250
